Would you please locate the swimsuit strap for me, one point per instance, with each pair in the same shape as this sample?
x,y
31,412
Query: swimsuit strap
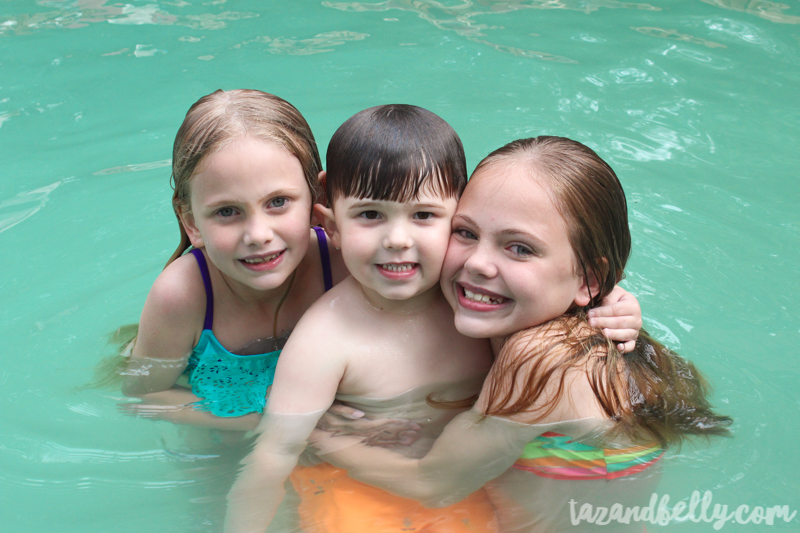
x,y
322,240
201,263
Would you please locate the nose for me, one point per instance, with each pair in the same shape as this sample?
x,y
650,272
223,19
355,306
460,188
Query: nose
x,y
397,237
481,262
258,230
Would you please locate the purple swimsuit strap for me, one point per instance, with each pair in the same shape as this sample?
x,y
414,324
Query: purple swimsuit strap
x,y
322,240
201,263
208,322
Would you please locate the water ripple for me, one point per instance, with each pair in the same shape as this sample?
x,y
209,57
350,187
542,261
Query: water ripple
x,y
135,167
675,35
49,452
765,9
85,12
459,18
24,205
318,44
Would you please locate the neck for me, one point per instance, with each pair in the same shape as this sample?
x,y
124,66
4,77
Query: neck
x,y
410,306
497,344
250,297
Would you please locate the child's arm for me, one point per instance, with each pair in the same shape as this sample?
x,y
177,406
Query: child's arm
x,y
169,327
306,381
341,419
620,318
471,451
175,405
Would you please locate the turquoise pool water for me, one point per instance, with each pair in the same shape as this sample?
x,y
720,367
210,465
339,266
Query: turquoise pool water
x,y
694,103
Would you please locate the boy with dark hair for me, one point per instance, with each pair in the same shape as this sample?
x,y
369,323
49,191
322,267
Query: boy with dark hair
x,y
382,340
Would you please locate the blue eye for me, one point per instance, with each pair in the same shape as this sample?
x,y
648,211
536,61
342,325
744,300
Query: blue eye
x,y
226,212
521,250
278,202
465,234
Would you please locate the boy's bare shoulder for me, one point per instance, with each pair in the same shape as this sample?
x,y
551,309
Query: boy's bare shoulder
x,y
328,319
337,307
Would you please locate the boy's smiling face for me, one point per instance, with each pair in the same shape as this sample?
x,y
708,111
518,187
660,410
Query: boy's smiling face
x,y
395,250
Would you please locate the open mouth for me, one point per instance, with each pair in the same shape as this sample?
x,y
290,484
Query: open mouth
x,y
479,301
398,270
398,267
262,260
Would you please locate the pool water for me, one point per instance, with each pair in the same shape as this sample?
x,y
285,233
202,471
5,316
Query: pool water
x,y
694,103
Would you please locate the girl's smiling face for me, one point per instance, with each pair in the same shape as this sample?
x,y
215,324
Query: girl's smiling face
x,y
251,211
509,263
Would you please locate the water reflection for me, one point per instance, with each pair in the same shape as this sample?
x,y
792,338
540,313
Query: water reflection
x,y
74,15
676,36
461,17
771,11
24,205
323,42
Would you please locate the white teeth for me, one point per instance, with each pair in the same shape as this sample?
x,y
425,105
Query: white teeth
x,y
482,298
394,267
259,260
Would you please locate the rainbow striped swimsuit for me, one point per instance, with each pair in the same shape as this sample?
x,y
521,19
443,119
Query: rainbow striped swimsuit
x,y
552,455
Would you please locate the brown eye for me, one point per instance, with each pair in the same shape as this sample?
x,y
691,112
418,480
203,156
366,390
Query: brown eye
x,y
370,215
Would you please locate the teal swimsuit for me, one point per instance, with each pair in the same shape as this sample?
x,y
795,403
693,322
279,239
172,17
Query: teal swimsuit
x,y
229,384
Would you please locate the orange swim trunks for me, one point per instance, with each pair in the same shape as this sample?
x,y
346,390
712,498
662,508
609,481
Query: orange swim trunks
x,y
333,502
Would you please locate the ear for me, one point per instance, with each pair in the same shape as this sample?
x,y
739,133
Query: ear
x,y
326,218
316,219
589,287
321,177
187,220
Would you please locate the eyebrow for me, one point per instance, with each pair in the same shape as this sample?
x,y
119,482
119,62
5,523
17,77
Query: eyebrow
x,y
364,203
506,232
273,194
373,203
539,243
466,219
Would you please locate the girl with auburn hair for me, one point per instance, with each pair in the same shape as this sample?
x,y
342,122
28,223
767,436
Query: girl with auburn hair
x,y
540,237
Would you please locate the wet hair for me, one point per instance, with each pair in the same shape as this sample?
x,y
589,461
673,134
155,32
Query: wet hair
x,y
218,119
651,392
390,152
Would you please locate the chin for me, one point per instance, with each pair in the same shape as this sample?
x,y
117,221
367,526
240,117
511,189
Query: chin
x,y
475,328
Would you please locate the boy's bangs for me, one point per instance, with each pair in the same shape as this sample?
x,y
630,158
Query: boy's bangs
x,y
394,153
399,180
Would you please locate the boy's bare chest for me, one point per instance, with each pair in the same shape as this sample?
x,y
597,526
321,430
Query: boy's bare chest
x,y
402,359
